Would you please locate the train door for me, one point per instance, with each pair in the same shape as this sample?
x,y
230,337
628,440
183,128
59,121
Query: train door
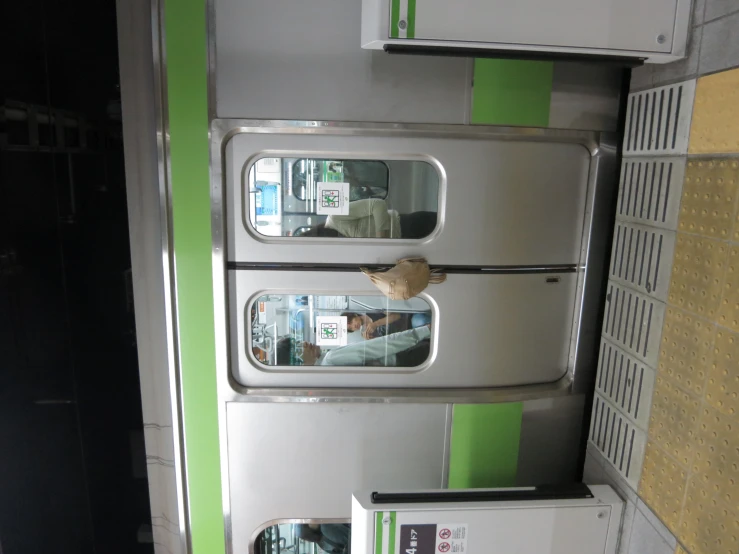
x,y
473,202
503,214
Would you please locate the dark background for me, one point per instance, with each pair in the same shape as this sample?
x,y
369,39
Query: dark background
x,y
72,465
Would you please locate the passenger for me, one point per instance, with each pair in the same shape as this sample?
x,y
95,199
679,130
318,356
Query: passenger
x,y
379,324
370,218
405,349
376,324
333,538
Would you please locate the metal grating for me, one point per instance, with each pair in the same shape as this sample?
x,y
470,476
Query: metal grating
x,y
641,257
627,382
650,191
618,439
633,321
658,120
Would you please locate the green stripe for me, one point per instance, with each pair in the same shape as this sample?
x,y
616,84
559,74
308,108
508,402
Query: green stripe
x,y
394,18
187,101
512,92
391,536
484,449
378,533
411,30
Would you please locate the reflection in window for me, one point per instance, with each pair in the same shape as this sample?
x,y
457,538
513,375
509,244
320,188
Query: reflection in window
x,y
328,330
304,538
367,178
387,199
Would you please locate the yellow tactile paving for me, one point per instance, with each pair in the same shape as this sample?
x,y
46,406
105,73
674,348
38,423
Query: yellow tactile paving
x,y
715,124
728,314
673,420
722,388
707,526
694,285
716,461
662,485
709,196
691,469
687,342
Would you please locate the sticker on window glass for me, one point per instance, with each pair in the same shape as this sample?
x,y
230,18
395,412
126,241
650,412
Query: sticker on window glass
x,y
267,198
262,313
331,330
433,538
333,199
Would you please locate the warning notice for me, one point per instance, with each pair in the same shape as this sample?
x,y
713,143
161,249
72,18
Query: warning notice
x,y
433,538
331,330
451,537
333,199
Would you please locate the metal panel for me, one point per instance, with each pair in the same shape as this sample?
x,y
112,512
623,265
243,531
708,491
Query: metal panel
x,y
144,135
607,24
376,21
551,435
488,331
585,96
633,321
305,460
502,201
619,440
373,86
658,120
302,60
641,257
497,527
627,382
650,191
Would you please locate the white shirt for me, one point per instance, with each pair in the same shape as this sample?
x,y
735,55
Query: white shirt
x,y
382,349
367,219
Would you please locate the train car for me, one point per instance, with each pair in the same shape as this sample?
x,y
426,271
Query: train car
x,y
274,156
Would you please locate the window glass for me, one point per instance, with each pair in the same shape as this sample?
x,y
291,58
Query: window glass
x,y
367,178
326,330
304,538
312,197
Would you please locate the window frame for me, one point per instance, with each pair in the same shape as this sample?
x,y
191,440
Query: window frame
x,y
293,157
261,366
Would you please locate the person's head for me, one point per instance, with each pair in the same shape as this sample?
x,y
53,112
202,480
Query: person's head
x,y
285,346
353,321
319,230
284,349
350,173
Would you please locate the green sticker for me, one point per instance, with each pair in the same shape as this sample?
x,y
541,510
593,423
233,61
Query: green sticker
x,y
484,449
512,92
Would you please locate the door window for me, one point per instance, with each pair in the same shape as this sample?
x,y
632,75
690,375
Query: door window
x,y
305,537
340,330
328,198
